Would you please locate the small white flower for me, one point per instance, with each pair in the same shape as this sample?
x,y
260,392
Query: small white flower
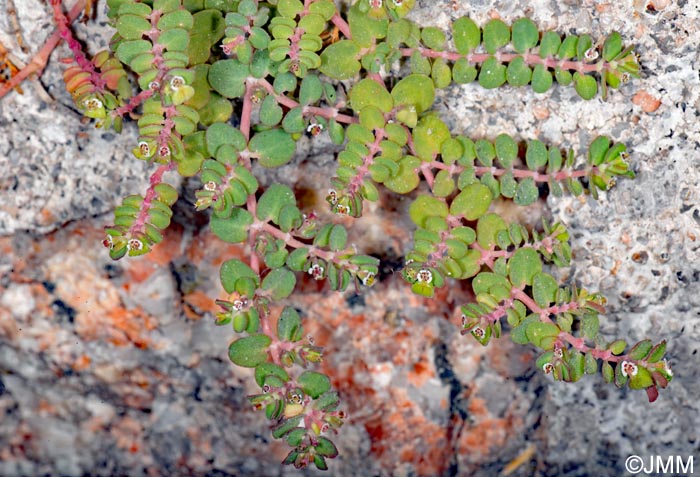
x,y
316,271
144,148
176,82
154,85
547,368
479,332
134,244
558,352
628,368
314,129
424,275
591,54
92,104
238,305
210,186
164,151
375,3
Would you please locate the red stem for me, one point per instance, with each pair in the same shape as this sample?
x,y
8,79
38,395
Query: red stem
x,y
38,62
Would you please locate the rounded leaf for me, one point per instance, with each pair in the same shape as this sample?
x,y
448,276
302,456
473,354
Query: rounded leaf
x,y
466,35
339,60
233,270
233,229
523,266
280,283
289,325
472,202
417,90
313,384
227,77
274,146
368,92
250,351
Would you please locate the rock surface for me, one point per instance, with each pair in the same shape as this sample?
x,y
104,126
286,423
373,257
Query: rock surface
x,y
117,368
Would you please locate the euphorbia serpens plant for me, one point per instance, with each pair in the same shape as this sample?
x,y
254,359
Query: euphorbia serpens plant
x,y
217,86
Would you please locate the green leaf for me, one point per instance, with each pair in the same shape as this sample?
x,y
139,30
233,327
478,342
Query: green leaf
x,y
549,44
485,152
463,72
233,270
492,74
586,86
466,35
536,155
576,365
541,79
227,77
617,347
326,448
273,200
472,203
523,265
640,350
219,134
289,326
270,111
612,46
176,19
525,35
441,73
433,38
518,72
310,90
642,379
426,206
416,90
657,352
608,372
368,92
313,384
519,333
290,8
275,147
541,334
597,150
264,370
496,35
487,229
590,324
279,283
233,229
591,364
132,27
444,184
339,60
527,192
128,50
207,29
428,136
544,289
406,179
506,150
338,238
250,351
485,281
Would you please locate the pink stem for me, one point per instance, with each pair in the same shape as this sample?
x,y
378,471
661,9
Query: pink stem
x,y
38,62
